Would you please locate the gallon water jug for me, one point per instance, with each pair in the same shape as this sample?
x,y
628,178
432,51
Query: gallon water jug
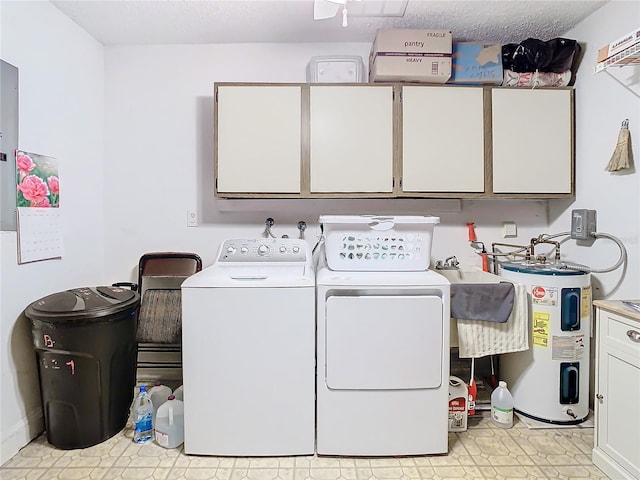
x,y
170,423
179,393
158,394
502,406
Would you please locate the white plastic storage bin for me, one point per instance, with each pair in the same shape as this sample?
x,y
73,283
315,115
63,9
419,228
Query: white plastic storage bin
x,y
336,69
378,243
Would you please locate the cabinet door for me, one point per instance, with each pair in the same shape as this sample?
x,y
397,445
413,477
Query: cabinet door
x,y
351,139
618,389
442,139
258,134
532,133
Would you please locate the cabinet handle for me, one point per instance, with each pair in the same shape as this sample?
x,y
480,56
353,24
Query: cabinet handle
x,y
633,335
599,396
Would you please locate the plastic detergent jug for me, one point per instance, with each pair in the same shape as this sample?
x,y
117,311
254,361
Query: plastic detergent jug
x,y
502,406
457,405
170,423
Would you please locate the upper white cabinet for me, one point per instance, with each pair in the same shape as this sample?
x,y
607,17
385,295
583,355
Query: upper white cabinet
x,y
532,140
393,140
443,141
351,139
258,146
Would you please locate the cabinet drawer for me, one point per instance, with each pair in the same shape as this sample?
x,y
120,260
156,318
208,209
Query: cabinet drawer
x,y
621,333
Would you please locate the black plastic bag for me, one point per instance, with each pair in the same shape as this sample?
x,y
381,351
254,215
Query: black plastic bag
x,y
555,55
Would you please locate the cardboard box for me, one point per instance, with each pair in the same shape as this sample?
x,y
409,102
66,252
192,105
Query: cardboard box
x,y
476,63
619,45
411,55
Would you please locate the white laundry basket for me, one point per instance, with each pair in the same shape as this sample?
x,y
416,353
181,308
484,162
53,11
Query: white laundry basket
x,y
378,243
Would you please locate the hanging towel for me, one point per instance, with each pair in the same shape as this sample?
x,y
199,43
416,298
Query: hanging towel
x,y
491,302
480,338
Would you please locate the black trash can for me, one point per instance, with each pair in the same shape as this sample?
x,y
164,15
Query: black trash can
x,y
85,342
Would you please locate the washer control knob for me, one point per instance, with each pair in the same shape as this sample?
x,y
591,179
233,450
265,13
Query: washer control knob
x,y
296,249
263,249
283,249
231,249
244,250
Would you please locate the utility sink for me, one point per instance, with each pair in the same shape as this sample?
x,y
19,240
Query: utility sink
x,y
469,275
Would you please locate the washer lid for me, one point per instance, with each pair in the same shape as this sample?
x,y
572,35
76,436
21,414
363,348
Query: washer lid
x,y
559,269
82,304
252,275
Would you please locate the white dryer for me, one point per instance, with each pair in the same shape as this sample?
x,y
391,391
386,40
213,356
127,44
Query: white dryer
x,y
248,347
383,362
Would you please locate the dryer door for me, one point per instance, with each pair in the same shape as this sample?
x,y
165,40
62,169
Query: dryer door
x,y
383,342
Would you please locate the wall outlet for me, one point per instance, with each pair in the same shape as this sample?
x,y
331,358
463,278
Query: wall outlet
x,y
583,224
509,230
192,218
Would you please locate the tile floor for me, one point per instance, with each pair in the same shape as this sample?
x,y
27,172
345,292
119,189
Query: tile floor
x,y
482,452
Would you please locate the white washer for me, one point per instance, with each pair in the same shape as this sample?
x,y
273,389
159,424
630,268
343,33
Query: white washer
x,y
248,347
383,362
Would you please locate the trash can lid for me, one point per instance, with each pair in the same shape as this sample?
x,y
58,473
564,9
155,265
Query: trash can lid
x,y
83,304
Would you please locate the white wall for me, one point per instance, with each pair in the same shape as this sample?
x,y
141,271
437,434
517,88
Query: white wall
x,y
61,73
603,101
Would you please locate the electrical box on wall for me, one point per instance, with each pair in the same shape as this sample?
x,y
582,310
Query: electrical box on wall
x,y
8,144
583,224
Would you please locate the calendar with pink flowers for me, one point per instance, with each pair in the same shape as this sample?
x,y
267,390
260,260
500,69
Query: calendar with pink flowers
x,y
38,202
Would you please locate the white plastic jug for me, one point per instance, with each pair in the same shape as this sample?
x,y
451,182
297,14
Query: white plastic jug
x,y
170,423
179,393
159,394
502,406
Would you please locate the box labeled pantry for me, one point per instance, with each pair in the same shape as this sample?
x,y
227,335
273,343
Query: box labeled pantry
x,y
411,55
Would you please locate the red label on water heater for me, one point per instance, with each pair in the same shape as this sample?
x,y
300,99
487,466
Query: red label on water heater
x,y
538,292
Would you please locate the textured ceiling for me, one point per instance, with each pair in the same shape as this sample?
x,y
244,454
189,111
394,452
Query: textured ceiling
x,y
126,22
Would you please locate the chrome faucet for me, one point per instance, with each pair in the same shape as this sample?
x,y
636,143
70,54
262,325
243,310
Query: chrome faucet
x,y
450,263
302,226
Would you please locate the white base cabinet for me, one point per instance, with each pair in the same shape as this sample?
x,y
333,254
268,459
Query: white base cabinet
x,y
617,404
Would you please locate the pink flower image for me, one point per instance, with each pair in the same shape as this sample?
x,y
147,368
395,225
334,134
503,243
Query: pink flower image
x,y
33,189
24,162
44,203
54,184
37,180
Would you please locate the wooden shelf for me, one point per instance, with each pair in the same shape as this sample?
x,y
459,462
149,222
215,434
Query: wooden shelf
x,y
630,56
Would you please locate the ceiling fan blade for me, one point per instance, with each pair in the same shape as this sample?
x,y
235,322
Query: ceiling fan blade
x,y
323,9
